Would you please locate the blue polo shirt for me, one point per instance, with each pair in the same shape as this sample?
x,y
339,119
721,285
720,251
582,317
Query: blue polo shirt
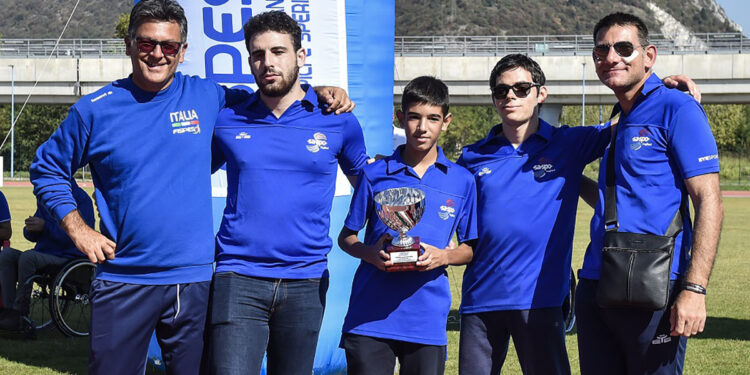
x,y
281,176
663,140
409,306
4,210
527,199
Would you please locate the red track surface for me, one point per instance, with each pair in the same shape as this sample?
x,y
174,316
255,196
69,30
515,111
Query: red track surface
x,y
727,193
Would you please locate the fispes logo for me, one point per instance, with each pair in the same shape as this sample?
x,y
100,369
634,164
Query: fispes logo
x,y
242,135
185,122
542,167
448,210
484,171
318,142
642,140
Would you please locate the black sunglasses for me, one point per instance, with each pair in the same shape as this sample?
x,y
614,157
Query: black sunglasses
x,y
147,45
623,49
521,89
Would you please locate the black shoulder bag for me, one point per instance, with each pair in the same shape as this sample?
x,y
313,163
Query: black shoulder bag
x,y
635,267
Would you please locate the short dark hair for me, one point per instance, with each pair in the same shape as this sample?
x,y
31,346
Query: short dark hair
x,y
517,60
158,10
623,19
426,90
277,21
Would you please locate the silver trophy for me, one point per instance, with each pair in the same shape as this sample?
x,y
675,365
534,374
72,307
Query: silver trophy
x,y
400,209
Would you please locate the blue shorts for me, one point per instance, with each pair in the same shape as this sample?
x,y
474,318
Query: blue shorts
x,y
124,316
625,341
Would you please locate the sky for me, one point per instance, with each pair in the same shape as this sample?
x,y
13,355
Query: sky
x,y
738,11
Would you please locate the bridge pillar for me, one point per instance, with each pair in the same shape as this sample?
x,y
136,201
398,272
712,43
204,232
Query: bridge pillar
x,y
551,113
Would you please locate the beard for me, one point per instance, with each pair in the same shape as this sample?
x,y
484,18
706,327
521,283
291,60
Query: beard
x,y
281,87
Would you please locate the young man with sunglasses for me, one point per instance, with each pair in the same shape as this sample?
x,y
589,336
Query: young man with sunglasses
x,y
528,176
663,152
147,139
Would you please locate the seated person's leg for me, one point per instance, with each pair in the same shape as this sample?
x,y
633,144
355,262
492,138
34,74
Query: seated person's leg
x,y
31,262
8,276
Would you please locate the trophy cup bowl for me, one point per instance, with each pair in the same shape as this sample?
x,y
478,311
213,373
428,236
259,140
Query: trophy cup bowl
x,y
401,209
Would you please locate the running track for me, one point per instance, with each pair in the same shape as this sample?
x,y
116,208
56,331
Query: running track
x,y
726,194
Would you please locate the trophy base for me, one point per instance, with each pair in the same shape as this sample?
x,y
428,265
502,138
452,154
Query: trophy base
x,y
403,258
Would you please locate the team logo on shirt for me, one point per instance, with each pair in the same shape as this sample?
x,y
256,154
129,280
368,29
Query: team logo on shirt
x,y
543,167
242,135
185,122
642,140
484,171
661,339
448,210
318,142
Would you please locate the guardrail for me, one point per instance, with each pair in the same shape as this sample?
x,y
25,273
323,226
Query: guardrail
x,y
73,48
560,44
445,45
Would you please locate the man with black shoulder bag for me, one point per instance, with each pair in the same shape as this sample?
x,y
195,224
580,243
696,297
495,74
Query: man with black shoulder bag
x,y
643,282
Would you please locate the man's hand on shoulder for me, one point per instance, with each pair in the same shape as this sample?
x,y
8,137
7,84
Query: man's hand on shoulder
x,y
336,97
93,244
683,83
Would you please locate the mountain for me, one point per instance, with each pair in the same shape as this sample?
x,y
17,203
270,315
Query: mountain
x,y
44,19
539,17
96,18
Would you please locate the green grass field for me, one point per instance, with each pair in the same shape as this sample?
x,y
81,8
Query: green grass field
x,y
724,348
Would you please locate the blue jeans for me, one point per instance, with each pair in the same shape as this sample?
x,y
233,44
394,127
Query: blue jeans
x,y
625,341
253,315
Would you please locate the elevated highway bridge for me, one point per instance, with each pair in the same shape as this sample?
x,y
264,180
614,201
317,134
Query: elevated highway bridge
x,y
720,63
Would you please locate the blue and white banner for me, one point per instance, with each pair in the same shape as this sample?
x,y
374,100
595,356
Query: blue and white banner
x,y
216,48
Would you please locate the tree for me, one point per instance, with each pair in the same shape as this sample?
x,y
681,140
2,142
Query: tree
x,y
36,124
121,26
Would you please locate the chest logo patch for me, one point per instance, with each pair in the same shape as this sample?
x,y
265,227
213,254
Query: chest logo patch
x,y
242,135
642,140
318,142
185,122
543,167
484,171
448,210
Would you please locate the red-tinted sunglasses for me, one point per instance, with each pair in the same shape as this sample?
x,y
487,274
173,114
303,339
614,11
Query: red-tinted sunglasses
x,y
147,45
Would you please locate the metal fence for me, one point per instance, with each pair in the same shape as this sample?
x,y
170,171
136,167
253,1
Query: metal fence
x,y
73,48
560,44
420,45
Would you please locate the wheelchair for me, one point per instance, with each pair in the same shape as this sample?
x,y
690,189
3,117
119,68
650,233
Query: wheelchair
x,y
60,297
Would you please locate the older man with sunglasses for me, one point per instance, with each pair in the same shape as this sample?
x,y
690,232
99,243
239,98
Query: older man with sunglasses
x,y
528,175
663,152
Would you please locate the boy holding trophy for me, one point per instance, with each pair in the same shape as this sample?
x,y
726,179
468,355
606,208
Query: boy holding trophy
x,y
417,189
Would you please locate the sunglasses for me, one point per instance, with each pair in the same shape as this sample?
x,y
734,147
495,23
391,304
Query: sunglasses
x,y
521,89
167,48
623,49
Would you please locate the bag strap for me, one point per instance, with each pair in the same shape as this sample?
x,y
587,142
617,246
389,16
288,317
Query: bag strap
x,y
610,193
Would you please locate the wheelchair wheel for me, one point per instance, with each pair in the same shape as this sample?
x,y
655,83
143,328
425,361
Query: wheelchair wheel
x,y
569,304
69,302
39,312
